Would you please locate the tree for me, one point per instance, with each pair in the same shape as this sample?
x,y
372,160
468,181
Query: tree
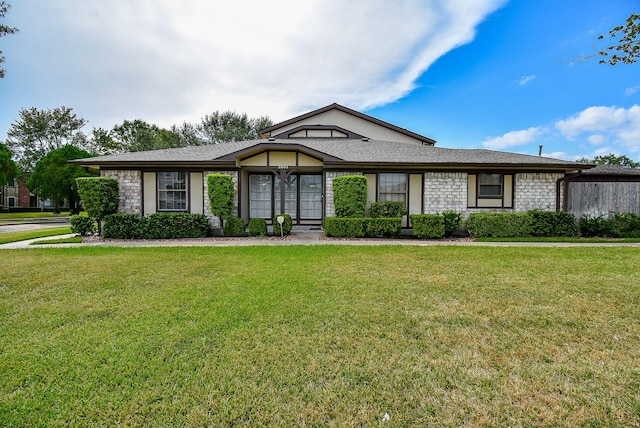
x,y
100,196
219,128
55,178
134,136
8,168
612,159
221,196
627,49
4,30
38,132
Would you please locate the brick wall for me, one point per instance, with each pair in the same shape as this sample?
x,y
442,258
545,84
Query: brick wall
x,y
448,191
445,191
536,191
328,197
130,188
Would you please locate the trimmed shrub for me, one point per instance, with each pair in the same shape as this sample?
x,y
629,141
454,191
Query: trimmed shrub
x,y
499,225
350,196
82,225
382,227
552,223
177,225
427,225
222,194
341,227
286,226
596,226
100,196
156,226
124,226
627,225
387,209
452,222
234,227
257,227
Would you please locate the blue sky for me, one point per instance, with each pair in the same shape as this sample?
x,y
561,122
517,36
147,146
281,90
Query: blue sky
x,y
490,74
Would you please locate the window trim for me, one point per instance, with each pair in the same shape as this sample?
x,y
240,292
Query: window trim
x,y
186,190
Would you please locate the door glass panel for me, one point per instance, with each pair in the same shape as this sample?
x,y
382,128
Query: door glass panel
x,y
260,198
311,196
290,195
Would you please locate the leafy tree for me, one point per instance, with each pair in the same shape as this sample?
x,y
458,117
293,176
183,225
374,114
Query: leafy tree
x,y
55,178
134,136
8,168
626,49
38,132
100,197
221,196
219,128
4,30
612,159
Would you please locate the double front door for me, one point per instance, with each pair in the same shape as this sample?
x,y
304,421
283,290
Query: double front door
x,y
302,196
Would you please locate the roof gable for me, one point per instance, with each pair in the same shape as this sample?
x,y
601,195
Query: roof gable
x,y
351,120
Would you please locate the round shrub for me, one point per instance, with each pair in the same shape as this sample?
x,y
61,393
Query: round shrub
x,y
387,209
82,225
286,226
257,227
234,227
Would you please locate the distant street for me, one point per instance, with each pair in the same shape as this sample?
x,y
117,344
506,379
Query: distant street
x,y
19,227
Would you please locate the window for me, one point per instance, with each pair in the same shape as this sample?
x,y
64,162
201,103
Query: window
x,y
260,187
392,187
490,185
172,191
490,191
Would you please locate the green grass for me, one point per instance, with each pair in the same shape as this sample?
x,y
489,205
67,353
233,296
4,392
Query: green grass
x,y
6,237
580,240
72,240
320,336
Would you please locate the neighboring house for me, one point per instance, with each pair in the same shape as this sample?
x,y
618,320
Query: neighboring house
x,y
601,190
293,167
16,195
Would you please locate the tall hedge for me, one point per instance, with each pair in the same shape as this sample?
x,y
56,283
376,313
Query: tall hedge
x,y
221,196
100,196
350,196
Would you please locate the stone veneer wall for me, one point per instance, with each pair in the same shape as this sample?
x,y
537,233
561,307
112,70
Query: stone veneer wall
x,y
448,191
328,196
215,221
130,188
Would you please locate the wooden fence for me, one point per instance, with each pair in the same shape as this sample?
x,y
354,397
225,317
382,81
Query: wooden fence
x,y
598,198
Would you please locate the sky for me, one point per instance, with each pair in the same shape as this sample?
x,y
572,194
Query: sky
x,y
493,74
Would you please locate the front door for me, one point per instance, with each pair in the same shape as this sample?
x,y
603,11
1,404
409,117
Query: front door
x,y
302,196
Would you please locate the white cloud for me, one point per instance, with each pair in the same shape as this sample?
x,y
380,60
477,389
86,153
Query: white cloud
x,y
514,138
593,119
526,79
632,90
175,61
617,127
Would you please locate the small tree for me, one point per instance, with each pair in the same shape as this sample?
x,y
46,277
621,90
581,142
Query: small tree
x,y
100,196
55,178
350,195
221,196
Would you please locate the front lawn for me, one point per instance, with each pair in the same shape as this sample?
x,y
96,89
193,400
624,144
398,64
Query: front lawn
x,y
6,237
320,336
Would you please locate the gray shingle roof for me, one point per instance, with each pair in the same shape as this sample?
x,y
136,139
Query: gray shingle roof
x,y
345,151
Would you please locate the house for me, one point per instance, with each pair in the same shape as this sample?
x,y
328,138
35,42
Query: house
x,y
601,190
292,168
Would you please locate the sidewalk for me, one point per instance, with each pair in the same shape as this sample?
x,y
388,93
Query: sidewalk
x,y
297,238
